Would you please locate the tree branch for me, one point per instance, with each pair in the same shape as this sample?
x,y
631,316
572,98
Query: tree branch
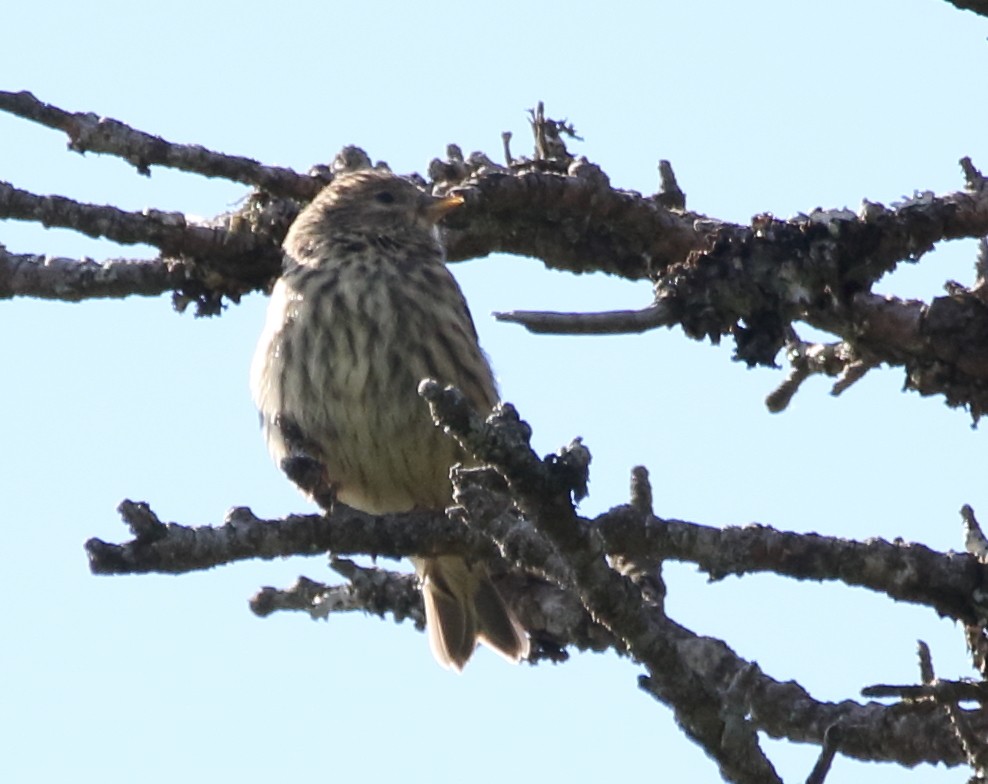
x,y
806,359
174,549
714,278
615,322
72,280
593,584
709,687
555,619
683,667
369,590
89,133
573,221
543,490
200,262
949,583
980,7
168,231
941,345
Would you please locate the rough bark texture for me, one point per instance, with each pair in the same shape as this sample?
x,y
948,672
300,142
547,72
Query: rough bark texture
x,y
754,282
575,582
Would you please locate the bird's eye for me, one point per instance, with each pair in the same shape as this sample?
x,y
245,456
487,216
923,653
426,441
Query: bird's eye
x,y
385,197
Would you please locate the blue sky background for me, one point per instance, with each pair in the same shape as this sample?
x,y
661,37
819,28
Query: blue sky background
x,y
761,106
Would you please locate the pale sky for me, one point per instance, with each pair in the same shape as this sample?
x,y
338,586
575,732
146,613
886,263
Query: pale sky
x,y
766,106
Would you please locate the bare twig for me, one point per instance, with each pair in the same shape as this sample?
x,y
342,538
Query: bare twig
x,y
200,262
974,538
89,133
613,322
369,590
670,195
830,743
549,144
974,745
169,231
544,491
506,142
973,178
950,583
556,617
807,359
173,548
711,277
946,695
926,672
72,280
641,492
933,690
571,221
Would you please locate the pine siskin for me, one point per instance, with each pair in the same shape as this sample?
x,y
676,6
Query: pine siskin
x,y
365,309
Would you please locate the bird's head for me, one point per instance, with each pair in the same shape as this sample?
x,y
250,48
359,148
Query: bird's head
x,y
370,203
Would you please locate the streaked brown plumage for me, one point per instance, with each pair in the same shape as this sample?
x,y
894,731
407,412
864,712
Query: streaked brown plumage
x,y
364,310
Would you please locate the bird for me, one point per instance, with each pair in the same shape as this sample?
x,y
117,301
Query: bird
x,y
365,308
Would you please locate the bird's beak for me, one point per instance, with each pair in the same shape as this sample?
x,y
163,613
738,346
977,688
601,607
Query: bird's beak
x,y
440,206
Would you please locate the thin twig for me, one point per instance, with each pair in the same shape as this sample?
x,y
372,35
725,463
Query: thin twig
x,y
938,690
830,743
947,582
88,132
169,231
975,541
974,745
199,262
615,322
670,195
370,590
807,359
973,178
544,491
73,280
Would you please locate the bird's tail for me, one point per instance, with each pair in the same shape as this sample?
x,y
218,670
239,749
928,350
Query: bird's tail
x,y
462,607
